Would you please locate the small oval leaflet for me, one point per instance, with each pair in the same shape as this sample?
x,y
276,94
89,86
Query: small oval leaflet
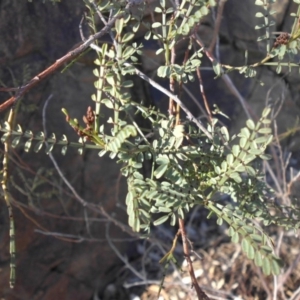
x,y
27,145
258,259
245,246
38,146
225,133
235,150
251,252
161,220
159,172
235,237
266,266
250,124
16,141
164,209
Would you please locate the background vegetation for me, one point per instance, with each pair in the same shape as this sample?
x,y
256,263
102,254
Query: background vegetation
x,y
180,166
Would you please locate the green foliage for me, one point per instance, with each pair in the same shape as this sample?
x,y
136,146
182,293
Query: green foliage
x,y
283,52
190,166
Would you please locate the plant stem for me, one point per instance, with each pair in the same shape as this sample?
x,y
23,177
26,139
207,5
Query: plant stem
x,y
201,295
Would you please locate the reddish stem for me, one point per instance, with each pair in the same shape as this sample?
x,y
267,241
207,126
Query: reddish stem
x,y
201,295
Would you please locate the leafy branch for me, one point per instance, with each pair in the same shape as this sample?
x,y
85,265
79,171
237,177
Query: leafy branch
x,y
192,163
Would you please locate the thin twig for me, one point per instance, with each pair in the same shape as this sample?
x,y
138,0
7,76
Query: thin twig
x,y
201,295
123,259
172,109
227,80
7,198
204,95
66,58
264,283
215,37
275,288
80,239
62,176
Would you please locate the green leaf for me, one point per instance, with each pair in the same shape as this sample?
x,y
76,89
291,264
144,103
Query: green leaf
x,y
217,68
181,156
256,238
258,259
163,71
170,10
217,170
266,249
259,15
245,246
265,156
49,148
235,150
164,209
16,141
180,213
243,142
219,221
144,213
129,198
249,158
244,132
102,153
266,130
266,266
278,68
64,150
236,177
159,172
229,159
235,238
4,137
156,25
250,124
282,50
240,168
250,72
162,160
250,171
108,103
119,24
38,146
148,35
231,231
27,145
161,220
127,37
251,252
225,133
224,166
127,83
134,222
262,139
160,50
162,3
204,10
173,220
276,265
136,27
7,127
104,4
255,151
